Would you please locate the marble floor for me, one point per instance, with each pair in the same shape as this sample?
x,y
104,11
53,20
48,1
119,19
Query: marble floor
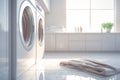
x,y
49,69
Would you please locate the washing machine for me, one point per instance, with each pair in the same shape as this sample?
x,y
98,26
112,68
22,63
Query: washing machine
x,y
40,32
23,17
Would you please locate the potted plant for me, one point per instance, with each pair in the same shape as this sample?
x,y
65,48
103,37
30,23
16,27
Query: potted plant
x,y
107,26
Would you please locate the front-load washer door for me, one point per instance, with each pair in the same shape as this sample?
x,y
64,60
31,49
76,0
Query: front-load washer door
x,y
27,26
40,31
26,37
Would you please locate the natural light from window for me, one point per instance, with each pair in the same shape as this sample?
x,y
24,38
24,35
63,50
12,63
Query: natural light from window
x,y
88,15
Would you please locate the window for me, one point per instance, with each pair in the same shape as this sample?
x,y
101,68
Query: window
x,y
88,14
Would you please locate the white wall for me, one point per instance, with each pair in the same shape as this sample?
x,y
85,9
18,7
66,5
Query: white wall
x,y
56,16
117,15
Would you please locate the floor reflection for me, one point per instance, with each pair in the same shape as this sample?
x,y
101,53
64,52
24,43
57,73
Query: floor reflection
x,y
40,74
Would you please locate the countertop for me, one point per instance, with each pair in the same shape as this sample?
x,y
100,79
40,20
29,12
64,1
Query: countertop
x,y
82,33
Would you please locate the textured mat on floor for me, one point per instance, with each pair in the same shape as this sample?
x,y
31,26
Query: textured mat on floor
x,y
91,66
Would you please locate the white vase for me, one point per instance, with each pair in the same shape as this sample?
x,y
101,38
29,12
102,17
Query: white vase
x,y
108,30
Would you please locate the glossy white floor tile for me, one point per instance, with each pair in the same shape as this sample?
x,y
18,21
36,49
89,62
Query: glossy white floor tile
x,y
49,69
54,72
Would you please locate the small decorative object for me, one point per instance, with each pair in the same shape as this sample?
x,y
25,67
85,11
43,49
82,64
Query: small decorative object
x,y
107,26
80,29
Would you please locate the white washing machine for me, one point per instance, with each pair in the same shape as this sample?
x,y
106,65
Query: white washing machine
x,y
40,32
23,36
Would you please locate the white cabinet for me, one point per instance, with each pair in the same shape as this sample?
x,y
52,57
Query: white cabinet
x,y
61,42
77,46
50,42
76,42
56,42
82,42
93,42
108,42
76,37
117,42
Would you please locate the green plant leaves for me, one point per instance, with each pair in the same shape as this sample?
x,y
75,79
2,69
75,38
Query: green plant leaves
x,y
107,25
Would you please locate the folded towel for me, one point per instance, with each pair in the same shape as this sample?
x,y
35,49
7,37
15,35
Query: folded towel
x,y
91,66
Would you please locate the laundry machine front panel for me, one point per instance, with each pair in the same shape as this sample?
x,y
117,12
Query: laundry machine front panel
x,y
26,36
40,32
4,40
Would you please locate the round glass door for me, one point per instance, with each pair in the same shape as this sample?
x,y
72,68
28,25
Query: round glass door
x,y
40,31
27,26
